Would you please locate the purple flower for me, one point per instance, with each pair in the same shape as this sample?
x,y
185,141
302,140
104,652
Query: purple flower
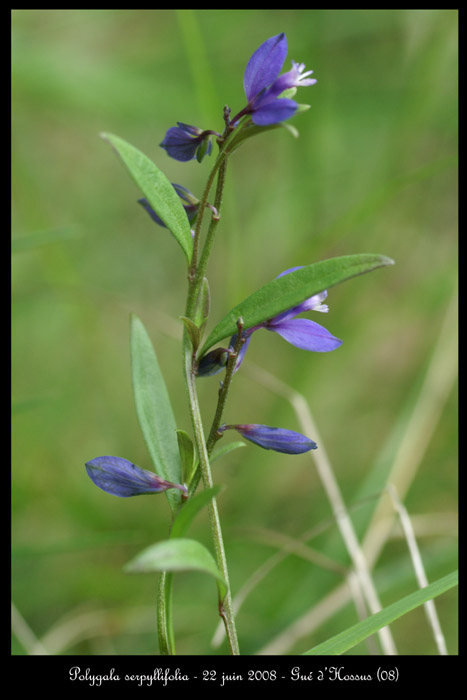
x,y
278,439
301,332
122,478
185,142
191,205
263,87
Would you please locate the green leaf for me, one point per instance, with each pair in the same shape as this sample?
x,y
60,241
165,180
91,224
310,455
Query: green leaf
x,y
190,509
154,409
203,304
290,290
225,449
157,189
187,455
193,331
177,555
356,634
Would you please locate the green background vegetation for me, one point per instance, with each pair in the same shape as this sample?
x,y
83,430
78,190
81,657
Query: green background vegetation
x,y
374,170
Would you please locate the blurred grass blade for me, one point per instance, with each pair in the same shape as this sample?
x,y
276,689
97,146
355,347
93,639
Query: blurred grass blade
x,y
340,643
154,409
157,189
177,554
290,290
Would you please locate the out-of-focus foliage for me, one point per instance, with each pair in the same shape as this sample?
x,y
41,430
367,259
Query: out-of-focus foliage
x,y
374,170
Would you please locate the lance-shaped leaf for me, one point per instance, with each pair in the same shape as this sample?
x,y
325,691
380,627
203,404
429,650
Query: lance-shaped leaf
x,y
188,455
157,189
154,409
178,554
292,289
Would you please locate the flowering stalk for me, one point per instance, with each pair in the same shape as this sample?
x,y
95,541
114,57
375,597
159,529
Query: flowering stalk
x,y
196,273
181,463
195,279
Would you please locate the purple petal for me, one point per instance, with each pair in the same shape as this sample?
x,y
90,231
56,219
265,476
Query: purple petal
x,y
195,130
264,65
179,144
306,334
190,204
273,111
185,194
313,303
123,478
241,355
277,439
291,269
293,78
144,203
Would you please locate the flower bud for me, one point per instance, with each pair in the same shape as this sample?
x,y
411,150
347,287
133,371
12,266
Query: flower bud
x,y
213,362
185,142
278,439
122,478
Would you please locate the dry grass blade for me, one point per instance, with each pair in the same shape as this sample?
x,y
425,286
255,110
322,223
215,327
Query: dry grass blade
x,y
25,635
430,607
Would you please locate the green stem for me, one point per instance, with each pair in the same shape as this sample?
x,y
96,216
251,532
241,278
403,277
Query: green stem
x,y
225,605
214,220
164,615
224,390
195,278
214,435
196,271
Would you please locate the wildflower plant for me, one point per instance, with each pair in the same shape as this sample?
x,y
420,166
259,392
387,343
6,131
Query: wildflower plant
x,y
181,461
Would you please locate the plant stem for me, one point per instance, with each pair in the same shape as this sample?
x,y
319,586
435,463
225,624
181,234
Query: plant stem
x,y
196,275
164,615
224,390
225,606
214,436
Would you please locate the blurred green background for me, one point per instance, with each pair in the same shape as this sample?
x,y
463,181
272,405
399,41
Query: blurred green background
x,y
374,170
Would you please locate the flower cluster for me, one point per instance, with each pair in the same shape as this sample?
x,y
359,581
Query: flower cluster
x,y
268,100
